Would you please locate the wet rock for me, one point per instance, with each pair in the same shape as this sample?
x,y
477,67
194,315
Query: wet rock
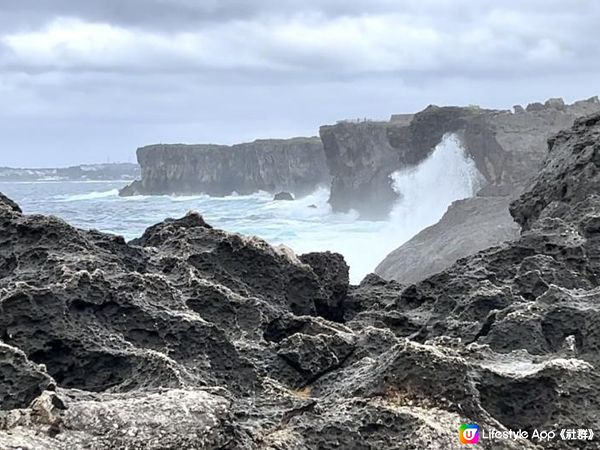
x,y
468,226
283,196
131,190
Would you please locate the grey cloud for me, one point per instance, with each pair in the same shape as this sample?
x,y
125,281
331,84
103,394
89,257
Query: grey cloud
x,y
176,14
344,37
228,71
170,15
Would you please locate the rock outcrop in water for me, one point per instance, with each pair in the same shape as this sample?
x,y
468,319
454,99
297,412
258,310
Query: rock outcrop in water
x,y
283,196
194,338
508,149
294,165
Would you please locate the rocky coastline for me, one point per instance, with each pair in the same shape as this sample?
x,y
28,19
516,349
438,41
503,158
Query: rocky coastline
x,y
506,146
272,165
83,172
191,337
509,149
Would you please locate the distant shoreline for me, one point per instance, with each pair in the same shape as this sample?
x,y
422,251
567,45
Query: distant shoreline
x,y
128,180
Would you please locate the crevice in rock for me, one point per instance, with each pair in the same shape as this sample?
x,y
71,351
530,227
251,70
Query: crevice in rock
x,y
486,327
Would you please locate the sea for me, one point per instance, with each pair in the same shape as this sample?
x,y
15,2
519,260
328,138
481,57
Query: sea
x,y
305,225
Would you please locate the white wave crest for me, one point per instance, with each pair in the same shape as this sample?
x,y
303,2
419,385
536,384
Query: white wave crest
x,y
88,196
425,190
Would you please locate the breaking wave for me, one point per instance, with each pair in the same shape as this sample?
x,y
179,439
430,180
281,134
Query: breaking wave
x,y
306,224
88,196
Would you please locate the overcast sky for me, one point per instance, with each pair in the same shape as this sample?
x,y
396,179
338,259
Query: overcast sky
x,y
91,80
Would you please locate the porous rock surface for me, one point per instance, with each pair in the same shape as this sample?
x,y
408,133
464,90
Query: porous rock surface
x,y
194,338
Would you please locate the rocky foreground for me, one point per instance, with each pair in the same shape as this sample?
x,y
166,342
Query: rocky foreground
x,y
194,338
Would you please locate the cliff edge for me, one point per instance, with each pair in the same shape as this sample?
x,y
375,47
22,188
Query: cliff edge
x,y
509,148
292,165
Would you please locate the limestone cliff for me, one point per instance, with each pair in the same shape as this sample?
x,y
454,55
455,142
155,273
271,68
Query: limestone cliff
x,y
295,165
508,149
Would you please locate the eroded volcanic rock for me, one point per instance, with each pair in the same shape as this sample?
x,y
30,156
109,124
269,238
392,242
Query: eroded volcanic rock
x,y
194,338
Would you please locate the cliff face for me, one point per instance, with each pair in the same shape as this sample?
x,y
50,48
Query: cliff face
x,y
508,149
362,156
294,165
193,337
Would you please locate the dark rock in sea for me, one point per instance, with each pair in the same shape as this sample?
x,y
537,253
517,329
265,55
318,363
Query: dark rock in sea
x,y
508,149
131,190
294,165
192,337
283,196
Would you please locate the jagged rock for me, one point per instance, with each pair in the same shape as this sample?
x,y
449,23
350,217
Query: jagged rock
x,y
295,165
574,155
102,315
248,266
21,381
283,196
535,107
6,202
556,103
334,274
131,190
313,356
191,337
